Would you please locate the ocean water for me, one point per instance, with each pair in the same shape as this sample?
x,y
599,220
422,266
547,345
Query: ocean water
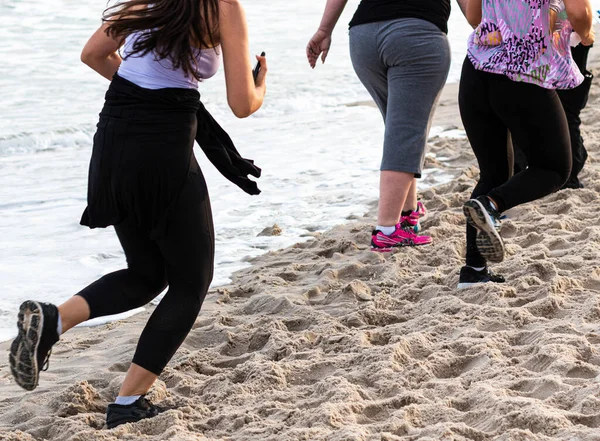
x,y
319,157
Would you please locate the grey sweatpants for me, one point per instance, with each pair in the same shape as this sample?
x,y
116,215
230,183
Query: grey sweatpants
x,y
404,64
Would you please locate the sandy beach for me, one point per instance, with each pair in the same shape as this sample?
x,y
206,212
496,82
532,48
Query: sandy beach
x,y
327,340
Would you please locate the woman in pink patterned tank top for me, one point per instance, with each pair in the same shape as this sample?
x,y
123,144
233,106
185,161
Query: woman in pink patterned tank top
x,y
515,39
515,63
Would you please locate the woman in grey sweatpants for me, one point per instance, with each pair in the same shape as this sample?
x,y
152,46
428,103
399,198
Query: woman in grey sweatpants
x,y
401,54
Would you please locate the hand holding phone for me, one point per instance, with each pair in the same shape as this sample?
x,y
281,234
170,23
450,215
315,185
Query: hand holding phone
x,y
257,68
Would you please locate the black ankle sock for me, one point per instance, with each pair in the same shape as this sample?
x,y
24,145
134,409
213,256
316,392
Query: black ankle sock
x,y
407,213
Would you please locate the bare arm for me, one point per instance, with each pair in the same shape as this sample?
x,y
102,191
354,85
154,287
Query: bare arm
x,y
463,6
473,12
243,95
100,53
581,18
320,42
331,15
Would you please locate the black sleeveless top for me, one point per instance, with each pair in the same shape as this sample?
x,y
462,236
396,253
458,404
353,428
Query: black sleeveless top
x,y
435,11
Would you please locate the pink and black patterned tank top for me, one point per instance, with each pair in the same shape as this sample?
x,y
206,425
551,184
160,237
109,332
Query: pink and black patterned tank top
x,y
514,39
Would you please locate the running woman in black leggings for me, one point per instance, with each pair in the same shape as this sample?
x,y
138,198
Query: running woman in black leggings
x,y
508,82
144,180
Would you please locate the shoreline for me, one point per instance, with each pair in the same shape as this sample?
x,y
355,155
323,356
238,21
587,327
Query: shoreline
x,y
444,119
325,340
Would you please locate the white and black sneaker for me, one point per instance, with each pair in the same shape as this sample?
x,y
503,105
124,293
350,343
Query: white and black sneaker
x,y
117,414
481,214
30,351
470,276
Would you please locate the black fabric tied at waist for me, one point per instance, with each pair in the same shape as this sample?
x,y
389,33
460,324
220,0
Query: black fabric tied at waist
x,y
143,155
219,149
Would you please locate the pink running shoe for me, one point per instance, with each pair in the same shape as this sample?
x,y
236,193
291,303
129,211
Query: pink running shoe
x,y
413,219
401,237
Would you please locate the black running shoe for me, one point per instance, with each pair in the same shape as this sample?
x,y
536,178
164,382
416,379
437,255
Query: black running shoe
x,y
117,414
30,351
572,183
470,276
482,215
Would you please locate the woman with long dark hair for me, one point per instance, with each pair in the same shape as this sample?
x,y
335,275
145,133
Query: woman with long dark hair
x,y
144,180
508,83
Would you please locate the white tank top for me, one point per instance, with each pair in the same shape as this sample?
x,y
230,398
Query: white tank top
x,y
150,73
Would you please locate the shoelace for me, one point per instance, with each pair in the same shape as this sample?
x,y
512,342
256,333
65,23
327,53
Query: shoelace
x,y
46,364
150,407
494,214
408,229
495,277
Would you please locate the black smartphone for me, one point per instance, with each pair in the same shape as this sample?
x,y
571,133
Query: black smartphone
x,y
257,68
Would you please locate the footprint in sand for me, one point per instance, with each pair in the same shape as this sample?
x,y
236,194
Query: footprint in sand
x,y
539,363
538,388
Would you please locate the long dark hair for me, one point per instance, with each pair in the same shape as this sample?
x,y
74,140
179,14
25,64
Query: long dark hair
x,y
173,29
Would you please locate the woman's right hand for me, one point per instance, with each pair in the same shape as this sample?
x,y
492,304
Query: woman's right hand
x,y
589,39
319,44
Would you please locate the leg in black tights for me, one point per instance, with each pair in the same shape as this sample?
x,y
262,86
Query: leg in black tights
x,y
492,104
492,133
144,278
184,257
573,102
188,250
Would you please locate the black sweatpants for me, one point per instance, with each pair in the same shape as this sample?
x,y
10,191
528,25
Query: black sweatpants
x,y
573,101
490,106
182,259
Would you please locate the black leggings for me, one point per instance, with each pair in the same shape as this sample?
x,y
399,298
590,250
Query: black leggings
x,y
573,101
182,259
490,105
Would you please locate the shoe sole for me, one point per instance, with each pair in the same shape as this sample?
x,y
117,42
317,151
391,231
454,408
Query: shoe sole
x,y
118,423
111,423
126,420
489,242
395,247
23,350
470,284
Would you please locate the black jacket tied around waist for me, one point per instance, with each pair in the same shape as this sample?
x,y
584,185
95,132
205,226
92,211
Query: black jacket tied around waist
x,y
143,154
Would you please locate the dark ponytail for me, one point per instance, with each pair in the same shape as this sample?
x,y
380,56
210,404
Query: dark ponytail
x,y
173,29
